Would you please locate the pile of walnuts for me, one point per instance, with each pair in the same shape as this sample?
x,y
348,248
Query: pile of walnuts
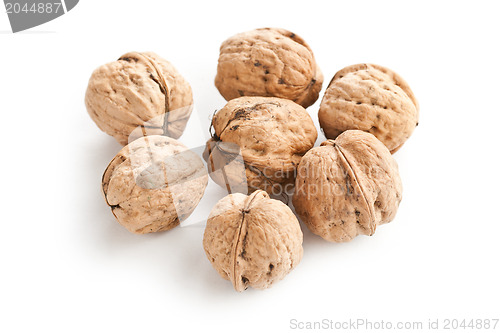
x,y
261,150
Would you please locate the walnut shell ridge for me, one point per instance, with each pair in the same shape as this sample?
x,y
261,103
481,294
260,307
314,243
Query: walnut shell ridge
x,y
153,184
258,143
139,94
253,241
347,187
370,98
268,62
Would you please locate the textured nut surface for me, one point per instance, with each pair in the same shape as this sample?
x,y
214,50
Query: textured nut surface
x,y
252,240
347,187
271,134
268,62
137,90
370,98
153,183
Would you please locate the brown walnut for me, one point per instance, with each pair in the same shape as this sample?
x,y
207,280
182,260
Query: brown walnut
x,y
370,98
139,94
153,184
347,187
268,62
252,240
258,143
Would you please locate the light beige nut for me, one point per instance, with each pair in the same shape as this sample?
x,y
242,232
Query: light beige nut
x,y
264,138
268,62
139,94
253,241
347,187
370,98
153,184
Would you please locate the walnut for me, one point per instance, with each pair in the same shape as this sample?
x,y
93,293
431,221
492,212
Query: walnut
x,y
347,187
371,98
252,240
153,183
258,143
131,96
268,62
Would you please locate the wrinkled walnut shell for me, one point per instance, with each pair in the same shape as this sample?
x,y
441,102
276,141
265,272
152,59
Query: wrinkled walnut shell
x,y
269,135
347,187
252,240
370,98
268,62
153,184
132,95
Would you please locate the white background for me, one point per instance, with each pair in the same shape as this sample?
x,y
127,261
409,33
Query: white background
x,y
68,266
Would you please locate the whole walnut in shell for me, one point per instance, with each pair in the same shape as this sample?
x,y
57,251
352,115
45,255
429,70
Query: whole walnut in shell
x,y
258,143
268,62
347,187
371,98
153,184
139,94
252,240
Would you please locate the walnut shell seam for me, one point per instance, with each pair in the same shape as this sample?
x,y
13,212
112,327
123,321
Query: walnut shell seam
x,y
162,82
371,225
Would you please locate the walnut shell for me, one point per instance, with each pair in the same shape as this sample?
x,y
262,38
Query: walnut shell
x,y
370,98
258,143
347,187
153,183
252,240
268,62
134,93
